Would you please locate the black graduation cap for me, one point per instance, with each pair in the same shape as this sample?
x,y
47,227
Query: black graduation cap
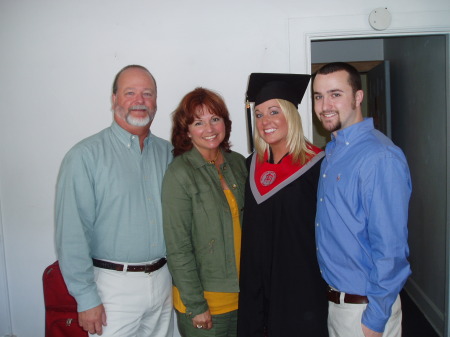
x,y
265,86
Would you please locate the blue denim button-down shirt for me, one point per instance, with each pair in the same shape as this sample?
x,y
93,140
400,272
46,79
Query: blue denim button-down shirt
x,y
361,222
108,206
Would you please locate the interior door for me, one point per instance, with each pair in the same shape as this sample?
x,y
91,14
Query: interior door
x,y
379,97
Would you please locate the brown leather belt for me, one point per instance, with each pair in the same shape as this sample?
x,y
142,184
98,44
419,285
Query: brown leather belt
x,y
334,296
146,268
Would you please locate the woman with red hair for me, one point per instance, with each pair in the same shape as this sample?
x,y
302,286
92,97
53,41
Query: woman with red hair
x,y
203,198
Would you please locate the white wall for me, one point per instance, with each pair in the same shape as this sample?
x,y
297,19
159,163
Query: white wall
x,y
57,62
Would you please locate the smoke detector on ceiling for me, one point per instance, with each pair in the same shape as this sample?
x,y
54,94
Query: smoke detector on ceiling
x,y
380,18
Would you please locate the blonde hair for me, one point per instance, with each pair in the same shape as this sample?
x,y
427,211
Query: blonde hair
x,y
298,145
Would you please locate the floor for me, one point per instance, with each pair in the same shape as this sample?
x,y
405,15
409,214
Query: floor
x,y
414,322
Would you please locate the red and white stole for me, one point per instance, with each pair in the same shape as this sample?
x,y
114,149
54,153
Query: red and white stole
x,y
266,179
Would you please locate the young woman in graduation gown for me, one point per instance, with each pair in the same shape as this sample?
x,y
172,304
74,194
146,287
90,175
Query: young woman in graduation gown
x,y
282,293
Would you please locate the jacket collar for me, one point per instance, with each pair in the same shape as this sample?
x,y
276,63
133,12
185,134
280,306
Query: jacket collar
x,y
197,160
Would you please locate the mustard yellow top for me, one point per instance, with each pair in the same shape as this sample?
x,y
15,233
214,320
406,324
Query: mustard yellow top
x,y
220,303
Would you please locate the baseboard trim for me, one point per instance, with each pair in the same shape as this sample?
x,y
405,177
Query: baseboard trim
x,y
431,312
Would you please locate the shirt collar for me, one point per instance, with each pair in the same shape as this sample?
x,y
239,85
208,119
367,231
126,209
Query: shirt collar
x,y
349,134
125,137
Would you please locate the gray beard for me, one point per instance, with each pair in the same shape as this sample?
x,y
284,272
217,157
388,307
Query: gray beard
x,y
138,121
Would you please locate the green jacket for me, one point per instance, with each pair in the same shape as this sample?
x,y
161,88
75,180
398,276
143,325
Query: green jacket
x,y
198,227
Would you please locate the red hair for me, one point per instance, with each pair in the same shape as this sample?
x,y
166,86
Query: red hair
x,y
185,113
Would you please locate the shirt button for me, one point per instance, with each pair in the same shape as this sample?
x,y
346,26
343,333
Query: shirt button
x,y
317,224
234,186
324,175
321,199
347,143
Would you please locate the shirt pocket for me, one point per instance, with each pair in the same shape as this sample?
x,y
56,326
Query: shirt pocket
x,y
210,258
203,198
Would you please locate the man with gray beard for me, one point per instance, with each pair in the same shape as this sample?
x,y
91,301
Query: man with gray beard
x,y
109,235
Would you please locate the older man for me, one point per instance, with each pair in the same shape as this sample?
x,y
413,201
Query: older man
x,y
109,234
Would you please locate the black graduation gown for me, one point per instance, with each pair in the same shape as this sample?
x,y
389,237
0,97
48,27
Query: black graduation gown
x,y
282,293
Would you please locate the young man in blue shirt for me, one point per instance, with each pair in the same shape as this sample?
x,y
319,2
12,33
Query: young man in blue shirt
x,y
362,212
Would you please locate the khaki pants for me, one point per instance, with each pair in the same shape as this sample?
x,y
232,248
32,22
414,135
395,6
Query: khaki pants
x,y
137,304
344,320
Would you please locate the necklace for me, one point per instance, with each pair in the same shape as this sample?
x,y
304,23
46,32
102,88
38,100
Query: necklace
x,y
214,160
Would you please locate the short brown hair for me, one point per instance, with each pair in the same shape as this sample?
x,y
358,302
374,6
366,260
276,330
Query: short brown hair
x,y
354,78
185,114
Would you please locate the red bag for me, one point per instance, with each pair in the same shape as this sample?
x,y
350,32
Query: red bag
x,y
61,316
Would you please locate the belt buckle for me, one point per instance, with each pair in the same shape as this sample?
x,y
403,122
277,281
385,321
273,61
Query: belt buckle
x,y
148,268
334,296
